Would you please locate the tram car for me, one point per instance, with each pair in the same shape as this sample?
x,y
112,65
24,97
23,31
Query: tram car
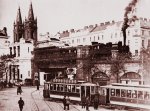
x,y
74,89
137,96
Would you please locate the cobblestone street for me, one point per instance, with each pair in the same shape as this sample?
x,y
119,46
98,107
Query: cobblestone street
x,y
33,101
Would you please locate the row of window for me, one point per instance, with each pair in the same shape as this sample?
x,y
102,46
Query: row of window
x,y
14,50
130,93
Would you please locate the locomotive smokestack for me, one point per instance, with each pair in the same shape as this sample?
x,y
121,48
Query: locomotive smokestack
x,y
128,9
124,27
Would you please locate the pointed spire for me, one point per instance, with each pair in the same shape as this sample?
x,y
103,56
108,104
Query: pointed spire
x,y
19,18
30,13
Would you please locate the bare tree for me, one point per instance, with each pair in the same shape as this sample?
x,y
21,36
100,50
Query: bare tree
x,y
118,65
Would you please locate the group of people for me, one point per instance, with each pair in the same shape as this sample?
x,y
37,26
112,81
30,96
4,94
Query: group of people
x,y
66,102
85,102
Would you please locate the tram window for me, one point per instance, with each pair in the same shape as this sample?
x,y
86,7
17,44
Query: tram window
x,y
69,88
51,86
112,92
146,95
65,88
140,94
61,87
118,92
58,87
129,93
123,93
92,89
134,94
73,88
77,89
54,87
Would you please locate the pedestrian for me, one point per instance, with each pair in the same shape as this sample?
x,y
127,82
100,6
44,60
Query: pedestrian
x,y
19,89
87,103
37,85
64,102
96,102
67,102
83,101
21,104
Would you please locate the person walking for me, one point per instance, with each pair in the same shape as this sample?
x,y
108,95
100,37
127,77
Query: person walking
x,y
19,89
96,102
68,102
83,101
87,103
21,104
64,102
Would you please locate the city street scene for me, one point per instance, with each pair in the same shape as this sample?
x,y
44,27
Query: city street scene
x,y
74,55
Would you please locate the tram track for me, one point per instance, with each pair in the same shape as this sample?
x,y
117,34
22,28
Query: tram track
x,y
34,100
48,104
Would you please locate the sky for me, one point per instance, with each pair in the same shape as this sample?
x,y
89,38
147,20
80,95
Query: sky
x,y
57,15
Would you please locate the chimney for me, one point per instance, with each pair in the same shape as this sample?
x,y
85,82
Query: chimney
x,y
72,30
124,27
101,24
85,27
113,22
91,26
107,23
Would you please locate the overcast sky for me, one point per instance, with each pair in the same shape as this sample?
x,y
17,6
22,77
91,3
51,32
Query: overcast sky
x,y
58,15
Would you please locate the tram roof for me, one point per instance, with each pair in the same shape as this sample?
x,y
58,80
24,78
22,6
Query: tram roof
x,y
88,84
127,88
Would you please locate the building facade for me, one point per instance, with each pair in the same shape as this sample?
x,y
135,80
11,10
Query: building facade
x,y
25,37
138,34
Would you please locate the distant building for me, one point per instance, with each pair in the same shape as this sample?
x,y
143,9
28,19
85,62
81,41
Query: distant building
x,y
4,42
25,37
138,34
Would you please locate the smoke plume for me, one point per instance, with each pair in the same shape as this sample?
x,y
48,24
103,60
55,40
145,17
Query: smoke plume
x,y
128,10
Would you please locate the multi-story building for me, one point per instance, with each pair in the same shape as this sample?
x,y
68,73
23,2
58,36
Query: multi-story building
x,y
4,50
25,37
4,42
138,34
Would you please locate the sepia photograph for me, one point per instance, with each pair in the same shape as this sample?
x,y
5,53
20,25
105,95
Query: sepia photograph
x,y
74,55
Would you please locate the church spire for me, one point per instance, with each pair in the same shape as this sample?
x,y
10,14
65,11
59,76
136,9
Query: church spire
x,y
30,13
19,18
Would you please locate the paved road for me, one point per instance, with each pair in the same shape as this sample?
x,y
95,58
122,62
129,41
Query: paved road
x,y
33,101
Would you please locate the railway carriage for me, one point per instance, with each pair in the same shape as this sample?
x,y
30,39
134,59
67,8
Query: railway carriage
x,y
75,90
137,96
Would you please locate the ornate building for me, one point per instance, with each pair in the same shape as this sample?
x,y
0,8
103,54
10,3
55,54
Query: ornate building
x,y
25,37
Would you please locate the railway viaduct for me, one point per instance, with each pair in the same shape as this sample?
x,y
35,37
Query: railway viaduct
x,y
88,63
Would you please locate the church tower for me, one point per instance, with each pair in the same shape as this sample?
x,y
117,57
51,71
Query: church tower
x,y
18,27
31,26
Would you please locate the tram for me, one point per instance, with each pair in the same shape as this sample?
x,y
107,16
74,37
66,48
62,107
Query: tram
x,y
74,89
137,96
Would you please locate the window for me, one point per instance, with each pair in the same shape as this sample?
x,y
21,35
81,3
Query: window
x,y
136,52
128,42
123,93
90,38
78,40
143,43
84,39
28,49
148,43
111,35
128,32
94,38
72,41
18,51
102,37
142,32
28,73
116,35
112,92
98,37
